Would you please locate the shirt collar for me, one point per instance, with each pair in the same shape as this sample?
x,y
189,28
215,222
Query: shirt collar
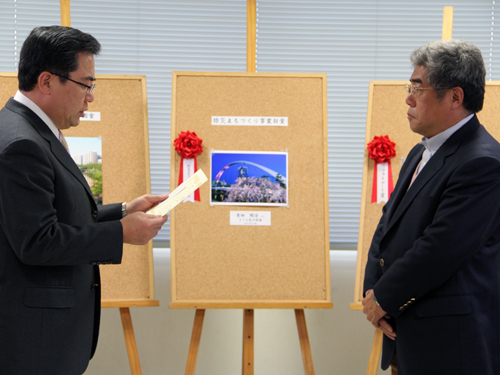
x,y
23,99
434,143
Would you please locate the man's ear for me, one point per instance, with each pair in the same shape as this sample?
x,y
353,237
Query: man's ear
x,y
45,81
457,98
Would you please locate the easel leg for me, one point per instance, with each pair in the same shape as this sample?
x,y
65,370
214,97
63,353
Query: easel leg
x,y
305,346
195,341
128,331
374,360
247,366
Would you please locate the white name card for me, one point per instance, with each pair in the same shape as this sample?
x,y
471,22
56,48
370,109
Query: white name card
x,y
250,218
91,116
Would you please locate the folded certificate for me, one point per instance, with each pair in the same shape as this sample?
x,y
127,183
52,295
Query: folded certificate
x,y
179,194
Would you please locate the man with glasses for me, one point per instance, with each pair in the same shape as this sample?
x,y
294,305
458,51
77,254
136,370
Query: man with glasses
x,y
432,279
53,236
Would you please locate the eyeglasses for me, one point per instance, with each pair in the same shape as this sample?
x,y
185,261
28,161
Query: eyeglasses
x,y
90,89
412,89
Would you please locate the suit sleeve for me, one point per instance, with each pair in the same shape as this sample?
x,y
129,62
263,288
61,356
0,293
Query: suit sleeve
x,y
109,212
464,223
30,218
372,273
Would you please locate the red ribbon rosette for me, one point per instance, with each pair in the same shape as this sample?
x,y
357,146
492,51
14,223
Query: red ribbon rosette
x,y
382,150
188,145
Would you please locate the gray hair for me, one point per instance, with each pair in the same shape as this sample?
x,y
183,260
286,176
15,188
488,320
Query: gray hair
x,y
454,63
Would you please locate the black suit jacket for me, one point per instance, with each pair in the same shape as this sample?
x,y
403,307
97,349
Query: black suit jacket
x,y
434,261
52,238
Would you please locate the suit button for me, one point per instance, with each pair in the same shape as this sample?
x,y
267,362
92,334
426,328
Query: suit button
x,y
94,214
382,262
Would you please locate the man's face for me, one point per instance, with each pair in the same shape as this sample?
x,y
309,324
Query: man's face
x,y
427,114
72,99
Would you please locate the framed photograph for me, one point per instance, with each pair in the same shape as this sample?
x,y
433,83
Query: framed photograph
x,y
86,152
249,178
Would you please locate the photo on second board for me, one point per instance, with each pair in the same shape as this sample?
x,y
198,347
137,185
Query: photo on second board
x,y
249,178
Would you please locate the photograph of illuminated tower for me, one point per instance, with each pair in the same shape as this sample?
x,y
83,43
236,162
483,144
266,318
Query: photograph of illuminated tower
x,y
249,178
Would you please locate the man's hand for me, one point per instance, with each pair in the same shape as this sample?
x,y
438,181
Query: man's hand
x,y
139,227
384,325
144,203
376,315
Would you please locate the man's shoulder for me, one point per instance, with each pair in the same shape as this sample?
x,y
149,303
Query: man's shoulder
x,y
479,143
13,108
14,126
482,136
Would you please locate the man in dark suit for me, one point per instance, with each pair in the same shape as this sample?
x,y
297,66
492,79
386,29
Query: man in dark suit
x,y
432,279
53,236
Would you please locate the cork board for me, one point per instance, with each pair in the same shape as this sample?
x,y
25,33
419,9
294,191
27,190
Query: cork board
x,y
123,129
284,265
387,116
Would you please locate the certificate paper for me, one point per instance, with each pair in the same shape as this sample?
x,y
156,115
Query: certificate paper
x,y
179,194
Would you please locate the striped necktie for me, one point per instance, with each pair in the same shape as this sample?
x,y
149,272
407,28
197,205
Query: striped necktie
x,y
63,141
426,155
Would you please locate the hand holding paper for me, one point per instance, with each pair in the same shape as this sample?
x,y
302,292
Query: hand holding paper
x,y
138,226
145,202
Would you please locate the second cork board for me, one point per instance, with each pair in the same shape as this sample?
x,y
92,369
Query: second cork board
x,y
387,116
282,265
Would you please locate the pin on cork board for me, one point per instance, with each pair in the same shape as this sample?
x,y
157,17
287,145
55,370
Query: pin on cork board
x,y
118,119
285,263
386,115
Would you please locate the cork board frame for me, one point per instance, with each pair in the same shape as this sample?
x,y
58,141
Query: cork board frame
x,y
386,115
123,129
285,265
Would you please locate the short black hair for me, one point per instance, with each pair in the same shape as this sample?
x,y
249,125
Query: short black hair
x,y
52,49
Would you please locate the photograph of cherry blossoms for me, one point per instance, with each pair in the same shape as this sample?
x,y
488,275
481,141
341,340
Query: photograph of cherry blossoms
x,y
249,178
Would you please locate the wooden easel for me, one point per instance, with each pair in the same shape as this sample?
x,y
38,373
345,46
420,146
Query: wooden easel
x,y
248,342
128,330
248,312
376,350
248,308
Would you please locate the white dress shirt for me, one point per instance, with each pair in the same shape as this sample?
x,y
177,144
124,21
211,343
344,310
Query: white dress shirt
x,y
432,144
23,99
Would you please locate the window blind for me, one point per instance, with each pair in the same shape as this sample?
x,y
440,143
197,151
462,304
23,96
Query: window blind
x,y
353,41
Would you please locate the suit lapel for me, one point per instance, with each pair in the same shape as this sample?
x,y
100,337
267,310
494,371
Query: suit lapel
x,y
436,162
404,181
431,168
55,146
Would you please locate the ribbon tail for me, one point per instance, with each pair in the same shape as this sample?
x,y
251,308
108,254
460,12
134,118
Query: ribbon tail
x,y
382,182
391,183
181,172
374,187
197,191
188,170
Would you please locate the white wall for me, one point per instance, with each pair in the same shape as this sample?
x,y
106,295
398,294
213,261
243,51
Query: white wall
x,y
340,338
